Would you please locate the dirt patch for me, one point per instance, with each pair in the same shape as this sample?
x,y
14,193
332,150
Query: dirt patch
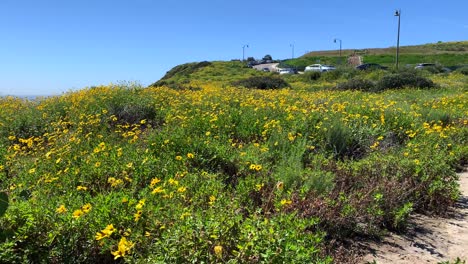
x,y
428,239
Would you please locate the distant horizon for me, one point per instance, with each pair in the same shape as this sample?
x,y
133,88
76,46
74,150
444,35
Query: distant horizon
x,y
50,47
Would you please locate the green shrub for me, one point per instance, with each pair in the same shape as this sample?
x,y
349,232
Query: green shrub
x,y
438,116
437,68
356,84
312,76
342,142
262,82
401,80
340,72
182,70
463,70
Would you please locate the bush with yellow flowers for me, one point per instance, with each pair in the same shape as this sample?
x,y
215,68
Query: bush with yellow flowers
x,y
122,173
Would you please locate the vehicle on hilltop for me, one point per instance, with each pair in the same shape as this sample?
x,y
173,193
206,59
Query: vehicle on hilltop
x,y
371,66
286,71
319,68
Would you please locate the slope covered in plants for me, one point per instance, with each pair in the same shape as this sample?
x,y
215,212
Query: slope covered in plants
x,y
223,173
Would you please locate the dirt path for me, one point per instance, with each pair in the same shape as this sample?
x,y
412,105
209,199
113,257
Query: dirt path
x,y
428,240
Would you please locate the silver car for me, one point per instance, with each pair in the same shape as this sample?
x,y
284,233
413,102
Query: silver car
x,y
319,68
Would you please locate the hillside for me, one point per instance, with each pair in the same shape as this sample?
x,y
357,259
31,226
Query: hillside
x,y
449,54
456,47
220,163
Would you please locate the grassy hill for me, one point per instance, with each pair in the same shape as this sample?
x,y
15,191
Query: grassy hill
x,y
449,54
456,47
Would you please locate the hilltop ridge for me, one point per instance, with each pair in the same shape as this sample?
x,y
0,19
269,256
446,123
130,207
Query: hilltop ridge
x,y
452,47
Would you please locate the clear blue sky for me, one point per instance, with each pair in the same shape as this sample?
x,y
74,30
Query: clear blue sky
x,y
53,46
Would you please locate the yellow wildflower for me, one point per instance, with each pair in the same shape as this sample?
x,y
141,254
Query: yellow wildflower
x,y
218,250
173,182
33,170
280,185
109,230
157,190
77,213
259,186
181,189
155,181
81,188
212,200
140,204
137,215
99,236
285,202
178,157
190,155
61,209
86,208
123,248
185,214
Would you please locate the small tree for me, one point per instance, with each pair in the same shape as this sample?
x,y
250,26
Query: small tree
x,y
250,59
267,57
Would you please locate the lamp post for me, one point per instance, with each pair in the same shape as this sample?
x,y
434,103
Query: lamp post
x,y
243,51
398,14
340,44
292,46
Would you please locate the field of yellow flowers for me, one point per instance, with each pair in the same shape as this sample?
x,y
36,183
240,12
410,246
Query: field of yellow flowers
x,y
222,174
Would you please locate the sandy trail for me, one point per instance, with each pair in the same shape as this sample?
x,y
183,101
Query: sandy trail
x,y
428,240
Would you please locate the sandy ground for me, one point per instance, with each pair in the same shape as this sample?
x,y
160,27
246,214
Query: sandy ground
x,y
428,240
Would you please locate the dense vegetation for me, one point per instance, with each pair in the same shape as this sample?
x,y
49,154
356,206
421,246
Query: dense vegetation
x,y
223,173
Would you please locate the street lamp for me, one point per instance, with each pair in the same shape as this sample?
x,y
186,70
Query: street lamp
x,y
243,51
292,46
340,44
398,14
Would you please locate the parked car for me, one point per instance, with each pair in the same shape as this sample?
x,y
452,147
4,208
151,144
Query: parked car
x,y
424,65
286,71
250,64
319,68
371,66
434,68
266,69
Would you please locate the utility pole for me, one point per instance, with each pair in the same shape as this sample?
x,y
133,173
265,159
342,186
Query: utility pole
x,y
340,44
398,14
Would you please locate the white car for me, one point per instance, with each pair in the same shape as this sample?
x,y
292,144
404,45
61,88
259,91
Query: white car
x,y
319,68
286,71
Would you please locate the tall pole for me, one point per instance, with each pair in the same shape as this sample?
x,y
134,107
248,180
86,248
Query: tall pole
x,y
243,51
340,44
398,14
